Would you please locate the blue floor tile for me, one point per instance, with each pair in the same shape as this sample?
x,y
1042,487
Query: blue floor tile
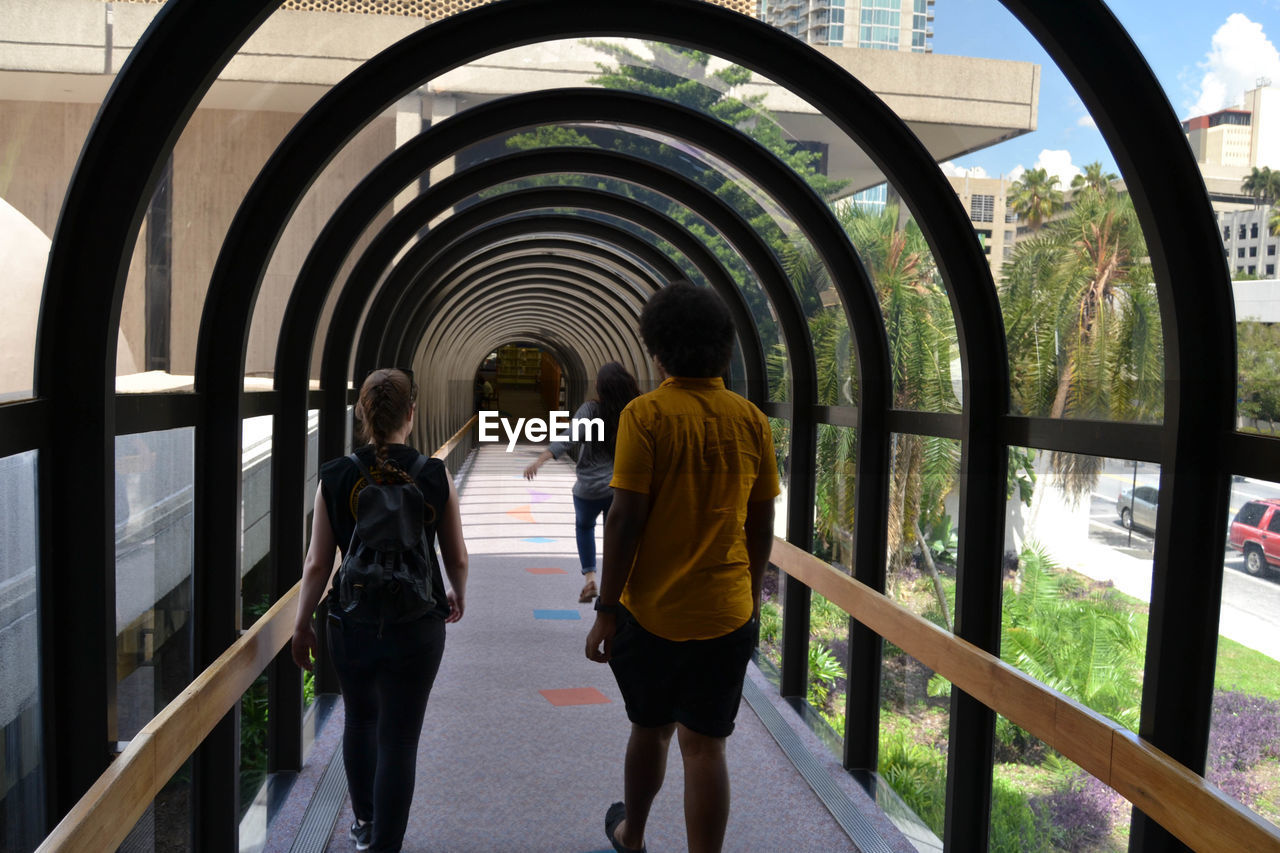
x,y
556,614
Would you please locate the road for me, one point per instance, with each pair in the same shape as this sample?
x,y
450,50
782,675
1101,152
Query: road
x,y
1250,606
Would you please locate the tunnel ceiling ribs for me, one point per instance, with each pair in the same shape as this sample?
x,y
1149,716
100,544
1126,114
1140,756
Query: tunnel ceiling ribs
x,y
190,42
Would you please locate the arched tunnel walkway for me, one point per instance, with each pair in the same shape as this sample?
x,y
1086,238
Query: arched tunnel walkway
x,y
444,249
521,748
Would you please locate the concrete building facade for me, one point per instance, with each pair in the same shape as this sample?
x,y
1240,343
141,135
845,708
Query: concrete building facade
x,y
995,223
1251,248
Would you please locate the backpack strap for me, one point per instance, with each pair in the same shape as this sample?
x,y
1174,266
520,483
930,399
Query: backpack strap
x,y
416,468
360,466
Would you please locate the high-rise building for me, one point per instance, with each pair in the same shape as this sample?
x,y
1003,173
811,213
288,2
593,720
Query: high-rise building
x,y
875,24
1231,142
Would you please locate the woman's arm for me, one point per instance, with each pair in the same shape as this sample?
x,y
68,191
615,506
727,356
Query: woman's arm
x,y
317,569
532,470
454,551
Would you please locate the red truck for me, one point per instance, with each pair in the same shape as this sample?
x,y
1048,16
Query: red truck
x,y
1255,531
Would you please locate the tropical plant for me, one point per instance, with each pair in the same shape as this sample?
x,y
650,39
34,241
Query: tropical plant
x,y
1262,185
1273,221
1258,356
1086,645
1083,324
921,334
1094,178
824,671
1035,197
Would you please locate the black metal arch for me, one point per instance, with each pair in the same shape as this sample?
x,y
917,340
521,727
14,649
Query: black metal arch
x,y
464,311
447,193
497,217
612,270
417,326
190,42
515,315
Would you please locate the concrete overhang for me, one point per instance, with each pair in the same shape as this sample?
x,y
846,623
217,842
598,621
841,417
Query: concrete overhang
x,y
954,104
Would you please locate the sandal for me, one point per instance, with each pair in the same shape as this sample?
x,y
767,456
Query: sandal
x,y
612,818
588,592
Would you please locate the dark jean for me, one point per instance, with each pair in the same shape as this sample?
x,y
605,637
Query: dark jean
x,y
385,684
585,511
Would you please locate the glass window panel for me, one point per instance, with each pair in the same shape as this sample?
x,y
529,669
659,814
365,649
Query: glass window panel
x,y
915,719
154,476
21,739
913,304
1258,359
769,651
1079,539
782,450
245,115
164,825
1038,796
834,495
1081,346
255,593
922,534
1244,735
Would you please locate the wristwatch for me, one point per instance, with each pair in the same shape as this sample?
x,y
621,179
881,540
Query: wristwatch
x,y
601,607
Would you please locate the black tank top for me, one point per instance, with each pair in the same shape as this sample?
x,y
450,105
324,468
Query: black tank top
x,y
341,482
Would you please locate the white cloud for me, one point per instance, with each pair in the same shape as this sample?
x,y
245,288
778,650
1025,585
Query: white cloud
x,y
1086,120
1241,53
951,170
1058,163
1055,162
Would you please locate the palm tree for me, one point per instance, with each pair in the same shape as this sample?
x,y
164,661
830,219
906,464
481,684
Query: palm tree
x,y
1273,221
1094,178
1083,325
1262,185
1035,197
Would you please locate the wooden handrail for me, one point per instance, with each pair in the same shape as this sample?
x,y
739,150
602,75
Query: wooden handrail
x,y
1181,801
448,446
108,811
112,806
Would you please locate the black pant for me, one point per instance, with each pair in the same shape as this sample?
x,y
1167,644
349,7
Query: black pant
x,y
385,684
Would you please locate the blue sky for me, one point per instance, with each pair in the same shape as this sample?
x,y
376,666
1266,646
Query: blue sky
x,y
1204,55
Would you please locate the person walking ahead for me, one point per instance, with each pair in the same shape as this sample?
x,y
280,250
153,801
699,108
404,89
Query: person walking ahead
x,y
385,670
686,544
592,495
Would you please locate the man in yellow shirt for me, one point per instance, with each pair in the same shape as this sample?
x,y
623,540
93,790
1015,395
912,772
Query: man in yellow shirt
x,y
686,545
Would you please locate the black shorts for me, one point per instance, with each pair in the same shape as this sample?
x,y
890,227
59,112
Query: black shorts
x,y
697,683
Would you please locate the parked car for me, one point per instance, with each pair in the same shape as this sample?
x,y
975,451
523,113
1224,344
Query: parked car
x,y
1255,531
1137,507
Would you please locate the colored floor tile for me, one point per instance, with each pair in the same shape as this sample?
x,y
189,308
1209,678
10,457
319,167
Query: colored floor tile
x,y
538,497
546,571
556,614
538,539
521,513
575,696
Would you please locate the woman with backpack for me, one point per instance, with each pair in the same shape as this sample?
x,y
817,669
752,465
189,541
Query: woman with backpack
x,y
615,387
386,635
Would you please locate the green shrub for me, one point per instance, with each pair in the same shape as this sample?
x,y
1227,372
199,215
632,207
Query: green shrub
x,y
1015,828
918,774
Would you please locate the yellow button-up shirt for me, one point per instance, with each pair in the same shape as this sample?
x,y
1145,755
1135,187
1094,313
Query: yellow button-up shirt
x,y
701,453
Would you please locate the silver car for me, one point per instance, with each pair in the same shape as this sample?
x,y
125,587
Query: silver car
x,y
1137,507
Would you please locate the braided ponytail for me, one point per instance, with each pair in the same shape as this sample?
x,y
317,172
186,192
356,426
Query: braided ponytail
x,y
386,399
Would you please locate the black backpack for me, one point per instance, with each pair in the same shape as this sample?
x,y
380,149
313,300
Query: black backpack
x,y
387,570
